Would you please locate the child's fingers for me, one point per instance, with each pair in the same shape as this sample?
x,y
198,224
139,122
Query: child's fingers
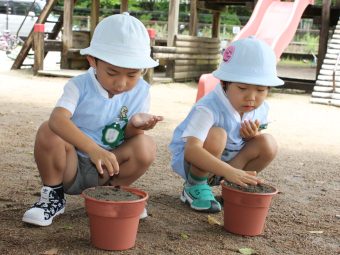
x,y
115,166
245,131
109,167
254,126
253,173
159,118
251,181
99,167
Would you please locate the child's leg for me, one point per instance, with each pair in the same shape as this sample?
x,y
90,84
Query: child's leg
x,y
134,156
56,159
256,154
57,163
215,144
196,190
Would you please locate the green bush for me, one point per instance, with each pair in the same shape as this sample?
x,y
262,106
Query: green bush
x,y
230,19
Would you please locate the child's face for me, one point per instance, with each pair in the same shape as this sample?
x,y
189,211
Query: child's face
x,y
115,80
245,97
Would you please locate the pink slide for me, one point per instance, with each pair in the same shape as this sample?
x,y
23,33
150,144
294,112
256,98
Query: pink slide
x,y
274,22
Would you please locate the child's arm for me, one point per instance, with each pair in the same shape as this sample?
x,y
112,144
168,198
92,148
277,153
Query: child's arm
x,y
140,122
201,158
61,124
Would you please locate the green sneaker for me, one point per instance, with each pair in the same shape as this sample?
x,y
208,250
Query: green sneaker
x,y
200,198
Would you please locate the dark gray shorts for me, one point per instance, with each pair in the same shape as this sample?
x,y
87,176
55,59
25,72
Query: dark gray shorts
x,y
87,177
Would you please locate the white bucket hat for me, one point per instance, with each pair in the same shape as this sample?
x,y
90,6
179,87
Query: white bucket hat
x,y
123,41
249,61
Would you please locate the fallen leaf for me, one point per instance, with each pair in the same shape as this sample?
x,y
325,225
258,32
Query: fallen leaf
x,y
247,251
184,236
213,221
316,231
53,251
68,227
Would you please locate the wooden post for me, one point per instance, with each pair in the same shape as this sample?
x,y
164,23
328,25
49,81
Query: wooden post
x,y
149,74
94,16
193,18
38,44
215,33
172,21
124,6
324,31
67,33
29,41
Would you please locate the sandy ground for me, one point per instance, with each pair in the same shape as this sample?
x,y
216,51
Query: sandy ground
x,y
306,171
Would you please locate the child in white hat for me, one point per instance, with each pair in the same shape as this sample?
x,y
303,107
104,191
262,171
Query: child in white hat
x,y
95,134
220,138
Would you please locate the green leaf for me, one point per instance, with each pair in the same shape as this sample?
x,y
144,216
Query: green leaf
x,y
247,251
184,236
68,227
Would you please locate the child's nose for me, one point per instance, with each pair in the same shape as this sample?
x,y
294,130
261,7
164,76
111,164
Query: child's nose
x,y
251,96
121,84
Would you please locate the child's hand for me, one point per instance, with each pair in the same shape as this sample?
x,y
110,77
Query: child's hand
x,y
249,129
145,121
242,178
104,159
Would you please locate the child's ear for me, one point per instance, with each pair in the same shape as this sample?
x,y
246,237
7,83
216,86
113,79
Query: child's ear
x,y
92,61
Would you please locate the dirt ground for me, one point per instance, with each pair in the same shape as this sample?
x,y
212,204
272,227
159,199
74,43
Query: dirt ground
x,y
303,218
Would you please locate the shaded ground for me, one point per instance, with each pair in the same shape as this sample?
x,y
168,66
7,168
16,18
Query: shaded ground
x,y
306,171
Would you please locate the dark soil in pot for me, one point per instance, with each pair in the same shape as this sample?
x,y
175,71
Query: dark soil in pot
x,y
260,188
111,194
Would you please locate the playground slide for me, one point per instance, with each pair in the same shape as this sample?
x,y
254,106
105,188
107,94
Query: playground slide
x,y
273,21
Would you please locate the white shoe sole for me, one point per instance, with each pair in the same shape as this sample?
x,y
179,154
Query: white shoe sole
x,y
144,214
185,198
42,223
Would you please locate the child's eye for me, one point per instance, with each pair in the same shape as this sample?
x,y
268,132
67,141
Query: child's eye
x,y
242,88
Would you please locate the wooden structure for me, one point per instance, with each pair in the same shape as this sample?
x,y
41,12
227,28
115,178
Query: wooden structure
x,y
189,57
327,88
70,57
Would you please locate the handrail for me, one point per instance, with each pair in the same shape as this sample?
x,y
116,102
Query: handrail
x,y
334,71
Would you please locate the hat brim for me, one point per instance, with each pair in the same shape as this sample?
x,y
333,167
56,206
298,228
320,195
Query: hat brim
x,y
124,61
270,81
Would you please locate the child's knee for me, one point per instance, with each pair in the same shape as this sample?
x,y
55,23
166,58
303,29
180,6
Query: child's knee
x,y
146,150
46,138
216,141
44,135
269,145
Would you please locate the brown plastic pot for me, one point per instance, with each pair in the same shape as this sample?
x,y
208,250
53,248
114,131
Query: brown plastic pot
x,y
114,224
245,212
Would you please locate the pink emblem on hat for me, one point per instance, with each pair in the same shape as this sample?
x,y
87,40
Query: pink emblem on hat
x,y
228,53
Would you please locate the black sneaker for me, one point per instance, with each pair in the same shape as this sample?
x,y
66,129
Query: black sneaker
x,y
43,212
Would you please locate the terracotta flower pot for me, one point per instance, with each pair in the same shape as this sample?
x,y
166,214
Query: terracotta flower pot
x,y
114,224
245,212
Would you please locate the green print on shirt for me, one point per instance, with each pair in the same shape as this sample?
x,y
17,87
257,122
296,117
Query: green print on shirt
x,y
113,134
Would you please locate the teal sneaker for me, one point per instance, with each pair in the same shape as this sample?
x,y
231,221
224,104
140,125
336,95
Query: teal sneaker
x,y
200,198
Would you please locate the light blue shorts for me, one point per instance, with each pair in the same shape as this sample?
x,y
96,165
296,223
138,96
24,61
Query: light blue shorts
x,y
214,180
